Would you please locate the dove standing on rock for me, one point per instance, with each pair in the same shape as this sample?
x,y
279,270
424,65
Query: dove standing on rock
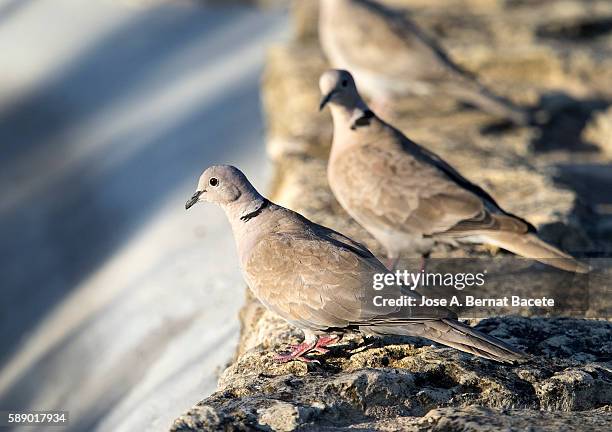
x,y
390,56
406,196
318,279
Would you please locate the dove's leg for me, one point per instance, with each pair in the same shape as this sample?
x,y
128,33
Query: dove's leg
x,y
391,262
299,351
423,266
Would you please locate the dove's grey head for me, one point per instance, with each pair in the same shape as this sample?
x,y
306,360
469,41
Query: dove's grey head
x,y
338,88
227,186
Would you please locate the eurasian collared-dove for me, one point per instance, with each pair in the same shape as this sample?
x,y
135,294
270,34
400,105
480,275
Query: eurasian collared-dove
x,y
406,196
390,55
318,279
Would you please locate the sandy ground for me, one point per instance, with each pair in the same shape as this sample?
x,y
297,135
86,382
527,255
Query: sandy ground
x,y
117,305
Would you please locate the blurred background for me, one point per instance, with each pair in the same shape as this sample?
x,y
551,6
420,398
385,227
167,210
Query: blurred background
x,y
117,305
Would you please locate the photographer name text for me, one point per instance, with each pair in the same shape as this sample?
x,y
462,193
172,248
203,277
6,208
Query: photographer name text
x,y
469,301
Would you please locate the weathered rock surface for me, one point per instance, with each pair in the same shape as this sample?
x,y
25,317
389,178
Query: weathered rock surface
x,y
383,384
554,55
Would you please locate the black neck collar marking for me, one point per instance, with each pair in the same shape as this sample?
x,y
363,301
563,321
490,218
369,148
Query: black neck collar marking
x,y
247,217
363,120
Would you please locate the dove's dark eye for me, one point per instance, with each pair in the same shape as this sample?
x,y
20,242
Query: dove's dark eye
x,y
344,83
213,181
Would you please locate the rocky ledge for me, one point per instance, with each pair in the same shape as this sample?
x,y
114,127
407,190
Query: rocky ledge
x,y
405,384
550,54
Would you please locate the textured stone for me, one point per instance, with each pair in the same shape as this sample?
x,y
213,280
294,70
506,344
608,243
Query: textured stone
x,y
478,419
396,379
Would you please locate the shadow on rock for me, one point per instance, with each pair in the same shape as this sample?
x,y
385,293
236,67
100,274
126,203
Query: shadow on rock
x,y
564,120
592,182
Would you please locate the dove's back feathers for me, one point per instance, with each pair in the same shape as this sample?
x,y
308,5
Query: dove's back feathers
x,y
390,55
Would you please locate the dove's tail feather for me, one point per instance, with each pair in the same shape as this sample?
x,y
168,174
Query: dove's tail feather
x,y
452,333
530,246
472,91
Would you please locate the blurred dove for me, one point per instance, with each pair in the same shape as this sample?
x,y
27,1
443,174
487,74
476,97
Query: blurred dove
x,y
318,279
389,55
406,196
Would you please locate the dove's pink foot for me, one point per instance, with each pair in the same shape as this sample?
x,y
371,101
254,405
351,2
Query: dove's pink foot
x,y
423,266
298,352
391,263
324,342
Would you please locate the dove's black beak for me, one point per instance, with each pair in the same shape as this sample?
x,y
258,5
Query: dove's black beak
x,y
194,199
325,100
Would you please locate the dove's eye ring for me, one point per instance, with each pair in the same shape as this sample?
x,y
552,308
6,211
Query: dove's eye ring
x,y
344,83
213,181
